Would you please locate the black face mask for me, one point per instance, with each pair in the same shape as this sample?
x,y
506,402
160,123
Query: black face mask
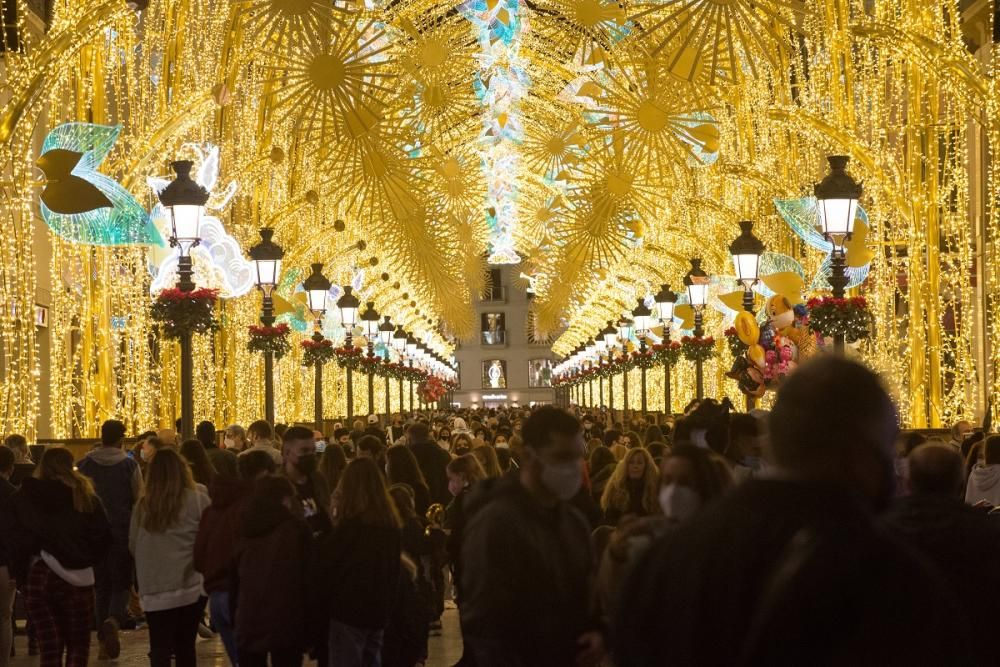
x,y
306,464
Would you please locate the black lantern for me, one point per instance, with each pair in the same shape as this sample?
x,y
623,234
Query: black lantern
x,y
266,257
317,286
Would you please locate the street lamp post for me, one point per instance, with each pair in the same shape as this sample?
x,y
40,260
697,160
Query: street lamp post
x,y
411,350
317,286
665,302
184,198
837,198
399,344
625,333
370,319
696,282
348,305
642,316
746,250
385,335
266,257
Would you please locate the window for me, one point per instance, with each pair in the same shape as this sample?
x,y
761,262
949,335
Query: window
x,y
493,328
540,373
494,374
494,286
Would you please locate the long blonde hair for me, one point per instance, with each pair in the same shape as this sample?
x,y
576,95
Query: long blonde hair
x,y
168,477
487,458
616,492
57,465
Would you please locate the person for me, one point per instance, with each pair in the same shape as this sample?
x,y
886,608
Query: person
x,y
461,444
433,462
632,489
58,532
487,457
601,467
234,439
396,430
960,430
956,538
525,547
405,641
118,483
360,565
300,467
444,438
632,440
7,583
261,436
223,461
145,446
373,429
742,452
343,437
653,434
371,447
202,470
402,468
798,557
274,577
332,464
984,482
215,544
162,536
24,467
463,473
357,430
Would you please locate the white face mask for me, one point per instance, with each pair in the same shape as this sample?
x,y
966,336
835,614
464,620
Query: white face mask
x,y
320,446
503,445
563,480
679,502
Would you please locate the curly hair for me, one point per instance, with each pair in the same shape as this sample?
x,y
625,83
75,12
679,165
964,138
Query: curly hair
x,y
616,493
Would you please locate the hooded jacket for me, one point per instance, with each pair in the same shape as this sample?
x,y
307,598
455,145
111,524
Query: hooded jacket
x,y
526,578
433,462
218,532
40,517
984,484
274,584
118,481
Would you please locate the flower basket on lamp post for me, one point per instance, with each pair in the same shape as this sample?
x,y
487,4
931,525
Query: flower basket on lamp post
x,y
273,339
180,312
316,352
697,348
849,317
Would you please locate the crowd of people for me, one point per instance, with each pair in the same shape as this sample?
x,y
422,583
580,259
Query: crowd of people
x,y
815,533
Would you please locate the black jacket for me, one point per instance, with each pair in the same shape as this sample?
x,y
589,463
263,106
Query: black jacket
x,y
42,517
963,543
433,462
785,573
360,571
526,578
6,491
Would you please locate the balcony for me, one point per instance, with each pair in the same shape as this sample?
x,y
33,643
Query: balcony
x,y
496,338
494,295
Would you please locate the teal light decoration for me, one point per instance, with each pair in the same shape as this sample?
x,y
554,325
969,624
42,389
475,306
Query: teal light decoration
x,y
79,203
801,217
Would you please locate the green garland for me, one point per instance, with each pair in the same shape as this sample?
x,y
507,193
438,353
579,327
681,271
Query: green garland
x,y
696,348
847,317
180,312
737,347
270,339
667,353
348,357
316,352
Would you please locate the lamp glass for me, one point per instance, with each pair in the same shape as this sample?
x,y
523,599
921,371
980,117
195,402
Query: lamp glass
x,y
666,311
747,267
268,271
186,222
698,294
837,216
317,300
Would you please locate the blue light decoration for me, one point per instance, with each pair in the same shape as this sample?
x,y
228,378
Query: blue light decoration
x,y
79,203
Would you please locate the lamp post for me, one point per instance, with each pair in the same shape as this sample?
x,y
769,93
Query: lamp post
x,y
600,347
610,336
266,257
385,335
369,319
696,282
746,250
317,287
348,305
837,198
411,350
642,316
399,344
665,302
183,198
625,333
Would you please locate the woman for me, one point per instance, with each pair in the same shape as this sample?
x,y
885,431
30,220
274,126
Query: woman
x,y
487,457
161,538
402,468
633,440
461,444
463,472
632,488
361,565
500,442
653,434
274,576
444,438
201,468
601,466
332,464
57,532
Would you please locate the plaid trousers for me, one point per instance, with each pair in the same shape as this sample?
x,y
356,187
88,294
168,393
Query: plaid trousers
x,y
61,615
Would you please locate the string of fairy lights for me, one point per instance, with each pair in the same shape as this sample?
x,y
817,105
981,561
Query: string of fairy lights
x,y
633,148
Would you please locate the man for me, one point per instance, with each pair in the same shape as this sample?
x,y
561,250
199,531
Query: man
x,y
984,480
528,560
167,436
396,430
961,541
299,466
235,438
7,587
118,482
260,435
959,432
433,462
343,437
23,465
374,429
223,460
793,570
370,447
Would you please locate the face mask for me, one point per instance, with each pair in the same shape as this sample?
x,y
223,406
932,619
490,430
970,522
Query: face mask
x,y
306,464
455,486
679,502
229,443
142,454
563,480
321,446
503,445
587,426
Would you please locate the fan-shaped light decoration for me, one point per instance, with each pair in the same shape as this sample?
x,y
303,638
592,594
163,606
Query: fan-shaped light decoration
x,y
81,204
717,41
271,23
580,32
